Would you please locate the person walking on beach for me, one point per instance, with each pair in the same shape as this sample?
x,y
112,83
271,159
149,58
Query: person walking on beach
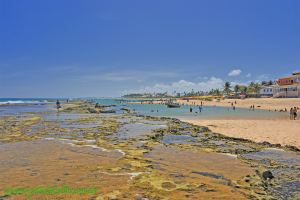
x,y
58,106
295,113
291,113
191,109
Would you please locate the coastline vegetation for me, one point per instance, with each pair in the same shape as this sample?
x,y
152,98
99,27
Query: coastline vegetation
x,y
228,90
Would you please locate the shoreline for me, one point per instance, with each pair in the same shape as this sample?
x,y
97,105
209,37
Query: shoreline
x,y
283,132
271,104
278,130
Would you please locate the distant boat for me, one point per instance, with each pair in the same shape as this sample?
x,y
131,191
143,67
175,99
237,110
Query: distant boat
x,y
172,104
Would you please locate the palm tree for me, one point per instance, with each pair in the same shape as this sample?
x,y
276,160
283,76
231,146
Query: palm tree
x,y
270,83
256,88
217,91
244,90
264,83
251,87
227,87
236,89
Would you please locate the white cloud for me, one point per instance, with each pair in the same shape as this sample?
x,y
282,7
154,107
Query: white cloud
x,y
181,86
248,75
235,72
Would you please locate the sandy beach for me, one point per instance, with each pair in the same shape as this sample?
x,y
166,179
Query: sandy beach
x,y
280,131
260,103
284,132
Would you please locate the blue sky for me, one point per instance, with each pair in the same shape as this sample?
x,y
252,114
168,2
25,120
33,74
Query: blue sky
x,y
72,48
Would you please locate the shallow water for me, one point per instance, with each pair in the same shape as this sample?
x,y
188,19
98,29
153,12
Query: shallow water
x,y
137,130
21,109
208,112
177,139
287,175
280,156
63,116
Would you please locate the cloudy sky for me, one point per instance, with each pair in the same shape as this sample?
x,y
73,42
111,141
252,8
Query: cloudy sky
x,y
72,48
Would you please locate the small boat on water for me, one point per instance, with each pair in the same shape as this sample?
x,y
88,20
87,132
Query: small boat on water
x,y
172,104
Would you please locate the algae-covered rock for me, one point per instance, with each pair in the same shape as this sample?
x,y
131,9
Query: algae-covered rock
x,y
32,121
156,181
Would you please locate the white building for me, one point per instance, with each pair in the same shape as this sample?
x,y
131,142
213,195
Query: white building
x,y
288,87
266,91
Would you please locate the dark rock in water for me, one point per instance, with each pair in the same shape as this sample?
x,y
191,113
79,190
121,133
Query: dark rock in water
x,y
267,175
292,148
157,136
108,111
126,109
91,110
173,131
4,197
266,143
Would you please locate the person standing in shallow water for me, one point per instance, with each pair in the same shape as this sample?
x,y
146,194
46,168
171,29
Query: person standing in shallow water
x,y
58,106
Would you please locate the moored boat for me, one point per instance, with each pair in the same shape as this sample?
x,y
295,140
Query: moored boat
x,y
173,105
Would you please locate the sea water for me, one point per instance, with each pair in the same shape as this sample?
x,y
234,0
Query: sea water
x,y
22,105
208,112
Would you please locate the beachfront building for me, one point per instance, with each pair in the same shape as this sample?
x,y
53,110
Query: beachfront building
x,y
288,87
266,91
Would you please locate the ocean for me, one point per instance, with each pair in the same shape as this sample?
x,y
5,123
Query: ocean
x,y
22,100
156,110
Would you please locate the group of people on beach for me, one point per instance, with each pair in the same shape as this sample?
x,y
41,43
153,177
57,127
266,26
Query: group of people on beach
x,y
293,113
200,108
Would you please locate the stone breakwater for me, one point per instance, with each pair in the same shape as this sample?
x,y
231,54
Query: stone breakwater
x,y
126,156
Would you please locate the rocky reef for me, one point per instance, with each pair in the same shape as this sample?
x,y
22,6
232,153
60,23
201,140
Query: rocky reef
x,y
129,156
